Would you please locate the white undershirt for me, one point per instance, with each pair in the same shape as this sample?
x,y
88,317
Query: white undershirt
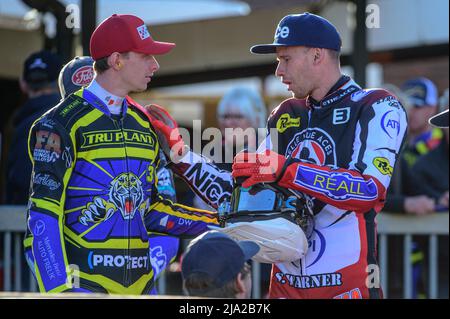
x,y
113,102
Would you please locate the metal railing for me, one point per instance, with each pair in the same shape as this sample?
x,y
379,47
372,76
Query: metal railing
x,y
13,225
395,224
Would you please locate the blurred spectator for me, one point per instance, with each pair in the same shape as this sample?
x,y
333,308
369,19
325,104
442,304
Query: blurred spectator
x,y
240,108
401,196
429,170
423,101
215,265
39,83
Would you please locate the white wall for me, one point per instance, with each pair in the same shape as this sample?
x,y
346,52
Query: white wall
x,y
403,23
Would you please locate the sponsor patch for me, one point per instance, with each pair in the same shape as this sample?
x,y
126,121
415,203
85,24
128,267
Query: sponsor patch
x,y
143,32
69,108
382,164
282,32
341,115
114,137
285,121
311,281
39,227
117,261
209,184
47,148
83,75
338,186
314,146
390,123
67,157
46,180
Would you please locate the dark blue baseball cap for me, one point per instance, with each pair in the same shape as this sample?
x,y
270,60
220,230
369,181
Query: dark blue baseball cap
x,y
304,29
77,73
216,255
41,67
421,92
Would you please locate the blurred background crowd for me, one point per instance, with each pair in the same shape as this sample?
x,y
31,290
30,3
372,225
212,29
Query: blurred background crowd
x,y
399,45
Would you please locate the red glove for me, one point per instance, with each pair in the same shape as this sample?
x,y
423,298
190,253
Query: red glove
x,y
265,167
168,133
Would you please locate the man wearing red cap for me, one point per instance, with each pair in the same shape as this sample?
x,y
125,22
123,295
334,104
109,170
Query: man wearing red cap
x,y
95,157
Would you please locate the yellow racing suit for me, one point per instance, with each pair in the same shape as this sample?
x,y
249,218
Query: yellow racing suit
x,y
93,199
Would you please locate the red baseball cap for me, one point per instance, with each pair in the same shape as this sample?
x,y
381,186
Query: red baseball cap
x,y
124,33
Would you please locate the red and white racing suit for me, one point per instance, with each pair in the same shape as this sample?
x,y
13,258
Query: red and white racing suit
x,y
342,150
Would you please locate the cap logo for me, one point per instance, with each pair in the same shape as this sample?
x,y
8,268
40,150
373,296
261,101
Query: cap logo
x,y
282,32
38,63
83,75
143,32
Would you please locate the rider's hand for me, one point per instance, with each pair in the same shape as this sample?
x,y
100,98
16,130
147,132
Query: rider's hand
x,y
443,200
419,205
264,167
168,134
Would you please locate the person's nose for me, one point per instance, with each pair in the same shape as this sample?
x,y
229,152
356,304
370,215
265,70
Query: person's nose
x,y
154,65
279,72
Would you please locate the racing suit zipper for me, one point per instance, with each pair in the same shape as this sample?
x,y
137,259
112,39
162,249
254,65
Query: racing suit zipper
x,y
127,275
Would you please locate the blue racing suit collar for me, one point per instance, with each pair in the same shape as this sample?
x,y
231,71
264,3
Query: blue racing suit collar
x,y
98,103
343,87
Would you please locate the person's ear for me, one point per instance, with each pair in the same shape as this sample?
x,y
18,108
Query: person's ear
x,y
319,55
115,61
240,286
23,85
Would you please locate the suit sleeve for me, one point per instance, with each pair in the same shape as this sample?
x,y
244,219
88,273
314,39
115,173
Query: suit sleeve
x,y
209,182
361,186
51,150
166,217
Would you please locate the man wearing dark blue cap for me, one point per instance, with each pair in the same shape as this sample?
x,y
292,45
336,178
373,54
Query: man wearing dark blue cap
x,y
423,99
214,265
39,83
333,141
345,136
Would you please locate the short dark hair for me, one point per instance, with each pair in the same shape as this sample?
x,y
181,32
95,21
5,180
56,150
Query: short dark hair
x,y
101,65
201,285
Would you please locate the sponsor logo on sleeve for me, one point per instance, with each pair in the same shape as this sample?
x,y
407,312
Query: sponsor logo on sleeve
x,y
390,124
382,164
46,180
285,121
338,186
67,157
39,227
47,148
